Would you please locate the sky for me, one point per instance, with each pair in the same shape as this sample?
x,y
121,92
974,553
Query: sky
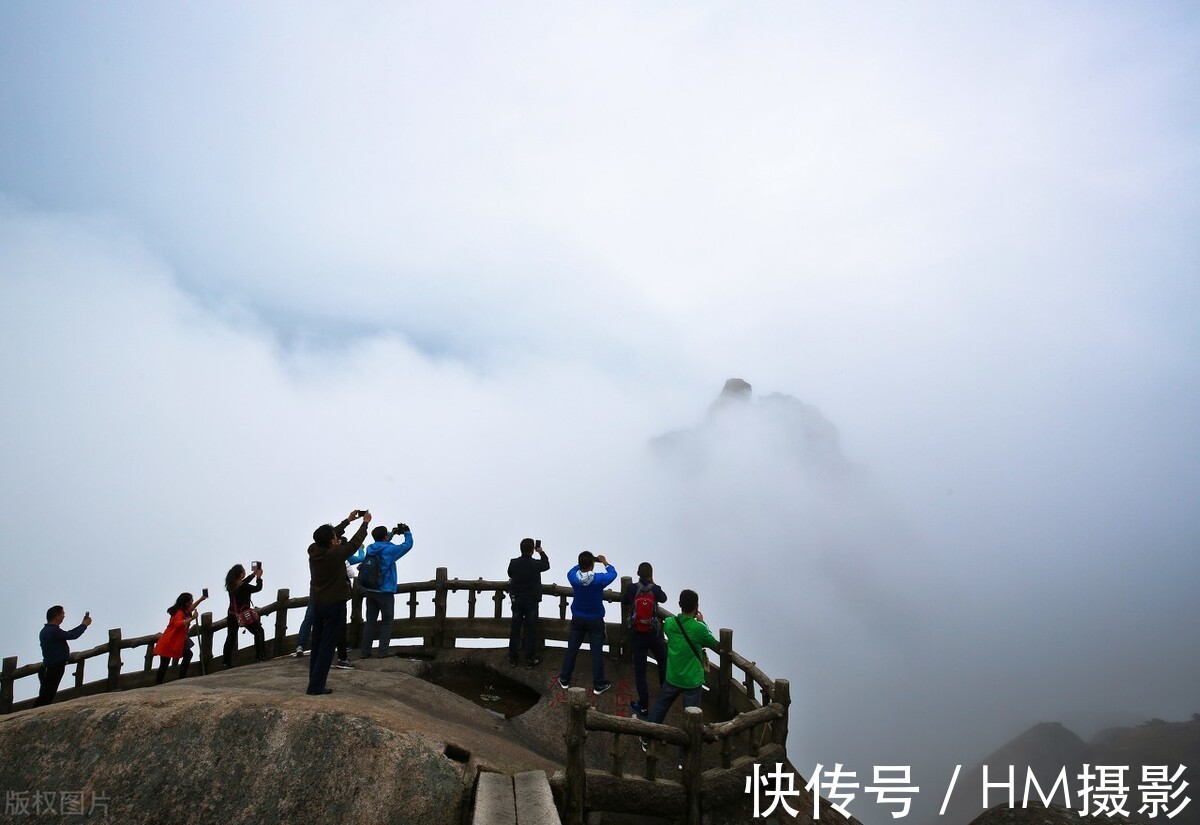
x,y
264,265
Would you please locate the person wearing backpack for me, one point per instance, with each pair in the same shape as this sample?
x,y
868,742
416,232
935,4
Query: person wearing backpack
x,y
641,601
686,635
377,579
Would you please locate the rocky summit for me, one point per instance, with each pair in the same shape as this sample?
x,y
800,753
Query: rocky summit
x,y
248,746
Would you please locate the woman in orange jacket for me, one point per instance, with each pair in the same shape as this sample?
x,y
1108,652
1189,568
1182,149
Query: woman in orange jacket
x,y
174,642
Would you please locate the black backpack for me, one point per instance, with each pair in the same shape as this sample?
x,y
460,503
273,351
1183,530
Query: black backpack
x,y
370,571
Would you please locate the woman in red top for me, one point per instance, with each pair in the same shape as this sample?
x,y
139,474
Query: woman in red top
x,y
174,642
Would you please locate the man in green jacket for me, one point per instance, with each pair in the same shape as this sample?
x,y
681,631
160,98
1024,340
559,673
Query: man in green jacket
x,y
686,635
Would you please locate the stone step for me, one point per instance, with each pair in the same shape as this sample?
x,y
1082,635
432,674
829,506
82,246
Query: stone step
x,y
494,801
524,799
535,801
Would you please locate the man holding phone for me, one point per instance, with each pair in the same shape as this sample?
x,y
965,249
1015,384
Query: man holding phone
x,y
379,597
587,617
525,588
328,592
56,651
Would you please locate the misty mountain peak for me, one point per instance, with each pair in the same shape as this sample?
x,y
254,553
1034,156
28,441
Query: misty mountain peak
x,y
735,391
775,430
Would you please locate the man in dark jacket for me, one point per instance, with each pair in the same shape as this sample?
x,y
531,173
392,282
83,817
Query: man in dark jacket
x,y
525,588
645,633
56,651
329,590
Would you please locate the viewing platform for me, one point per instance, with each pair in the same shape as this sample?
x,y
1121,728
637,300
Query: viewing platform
x,y
588,746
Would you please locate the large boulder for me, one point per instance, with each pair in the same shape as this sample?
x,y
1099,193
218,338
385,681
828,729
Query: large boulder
x,y
248,746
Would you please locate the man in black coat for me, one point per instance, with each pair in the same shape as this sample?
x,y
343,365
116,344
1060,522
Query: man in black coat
x,y
525,591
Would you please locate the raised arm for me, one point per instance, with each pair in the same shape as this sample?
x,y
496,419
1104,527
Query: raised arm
x,y
397,551
356,541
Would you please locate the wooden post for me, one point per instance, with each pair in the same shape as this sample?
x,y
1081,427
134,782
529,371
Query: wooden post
x,y
206,640
7,678
472,598
562,608
693,724
725,674
114,660
439,608
625,650
79,673
355,630
498,598
618,756
281,619
783,695
576,768
149,657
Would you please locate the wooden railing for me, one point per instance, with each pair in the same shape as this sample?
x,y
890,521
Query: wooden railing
x,y
754,705
765,726
438,630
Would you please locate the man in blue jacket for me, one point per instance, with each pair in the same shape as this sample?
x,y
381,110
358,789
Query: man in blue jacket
x,y
56,651
587,618
380,602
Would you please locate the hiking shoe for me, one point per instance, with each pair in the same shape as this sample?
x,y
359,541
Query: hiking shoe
x,y
299,650
319,692
600,688
344,664
635,708
645,745
530,664
562,684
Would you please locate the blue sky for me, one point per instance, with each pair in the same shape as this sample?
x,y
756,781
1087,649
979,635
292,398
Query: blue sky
x,y
262,265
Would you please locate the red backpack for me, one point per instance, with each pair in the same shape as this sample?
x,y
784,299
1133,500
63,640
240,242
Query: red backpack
x,y
644,616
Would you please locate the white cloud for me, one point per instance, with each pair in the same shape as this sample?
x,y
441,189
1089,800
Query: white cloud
x,y
459,267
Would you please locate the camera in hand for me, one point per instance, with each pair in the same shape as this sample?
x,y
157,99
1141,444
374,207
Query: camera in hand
x,y
401,528
537,544
204,592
